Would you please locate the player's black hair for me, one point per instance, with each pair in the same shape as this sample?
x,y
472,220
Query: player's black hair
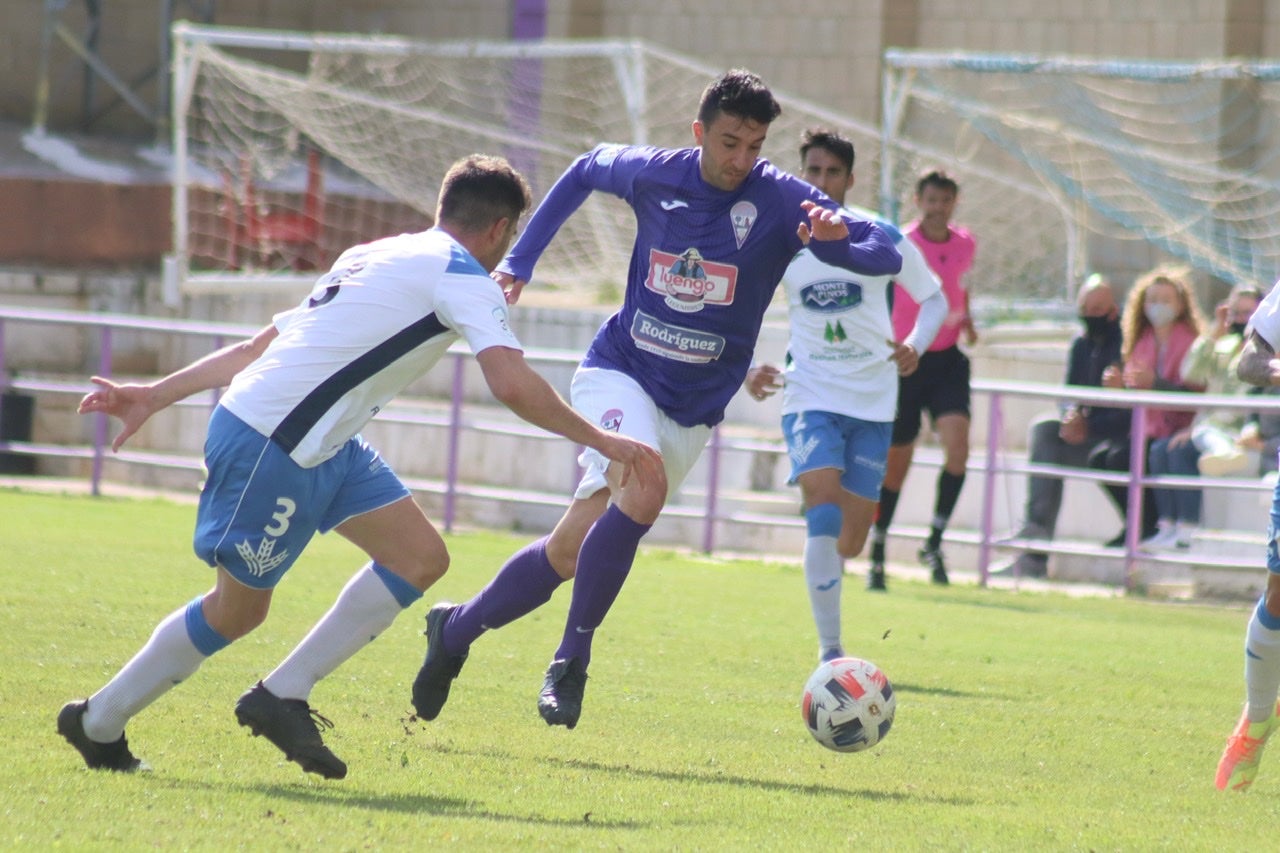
x,y
827,140
937,178
479,190
738,93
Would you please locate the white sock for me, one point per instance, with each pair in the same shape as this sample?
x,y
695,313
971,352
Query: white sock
x,y
1261,666
823,573
364,609
167,660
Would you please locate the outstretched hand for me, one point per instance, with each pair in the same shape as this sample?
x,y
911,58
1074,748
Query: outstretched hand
x,y
824,224
637,459
132,404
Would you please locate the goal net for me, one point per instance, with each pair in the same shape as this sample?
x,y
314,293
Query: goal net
x,y
290,147
1140,161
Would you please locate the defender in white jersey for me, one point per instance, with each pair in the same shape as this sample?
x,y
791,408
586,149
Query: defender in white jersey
x,y
1259,365
285,460
840,385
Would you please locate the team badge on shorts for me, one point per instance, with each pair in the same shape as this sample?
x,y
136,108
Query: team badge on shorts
x,y
611,421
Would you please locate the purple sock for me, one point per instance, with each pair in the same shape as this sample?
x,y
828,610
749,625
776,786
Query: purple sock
x,y
522,585
603,563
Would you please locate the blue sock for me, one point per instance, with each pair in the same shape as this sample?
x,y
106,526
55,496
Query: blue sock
x,y
206,640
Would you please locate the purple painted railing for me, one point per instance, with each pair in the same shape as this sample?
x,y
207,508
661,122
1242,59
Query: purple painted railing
x,y
720,444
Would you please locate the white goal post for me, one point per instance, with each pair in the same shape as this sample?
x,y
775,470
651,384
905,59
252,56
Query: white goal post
x,y
1146,161
289,147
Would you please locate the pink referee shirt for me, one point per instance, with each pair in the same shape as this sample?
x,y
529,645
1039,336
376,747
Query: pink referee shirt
x,y
950,260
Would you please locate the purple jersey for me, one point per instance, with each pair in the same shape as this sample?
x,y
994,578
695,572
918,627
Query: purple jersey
x,y
703,269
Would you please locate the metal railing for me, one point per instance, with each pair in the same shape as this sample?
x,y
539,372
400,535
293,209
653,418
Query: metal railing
x,y
989,466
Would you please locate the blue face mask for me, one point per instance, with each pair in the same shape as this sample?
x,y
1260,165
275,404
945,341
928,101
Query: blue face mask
x,y
1160,314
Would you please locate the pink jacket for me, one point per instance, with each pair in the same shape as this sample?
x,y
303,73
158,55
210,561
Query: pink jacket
x,y
1162,423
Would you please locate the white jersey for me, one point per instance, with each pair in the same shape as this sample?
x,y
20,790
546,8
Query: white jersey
x,y
841,325
378,320
1266,318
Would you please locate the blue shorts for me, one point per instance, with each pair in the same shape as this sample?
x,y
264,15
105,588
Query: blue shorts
x,y
259,508
855,447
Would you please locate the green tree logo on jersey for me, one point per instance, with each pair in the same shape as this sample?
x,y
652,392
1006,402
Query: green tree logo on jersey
x,y
834,334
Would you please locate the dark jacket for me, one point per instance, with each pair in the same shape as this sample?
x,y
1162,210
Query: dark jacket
x,y
1090,356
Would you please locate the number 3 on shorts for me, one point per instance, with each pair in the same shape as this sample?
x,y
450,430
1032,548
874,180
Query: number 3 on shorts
x,y
280,518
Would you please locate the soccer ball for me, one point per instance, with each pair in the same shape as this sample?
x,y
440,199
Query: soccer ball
x,y
848,704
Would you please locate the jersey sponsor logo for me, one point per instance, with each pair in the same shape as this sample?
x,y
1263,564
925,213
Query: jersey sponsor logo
x,y
611,421
835,334
831,296
689,282
673,204
675,342
743,216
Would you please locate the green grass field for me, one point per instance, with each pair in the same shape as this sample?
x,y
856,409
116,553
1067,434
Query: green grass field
x,y
1025,721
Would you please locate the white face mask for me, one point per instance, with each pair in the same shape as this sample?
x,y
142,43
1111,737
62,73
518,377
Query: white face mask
x,y
1160,314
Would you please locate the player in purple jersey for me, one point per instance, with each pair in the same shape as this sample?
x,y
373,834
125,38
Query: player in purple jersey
x,y
716,227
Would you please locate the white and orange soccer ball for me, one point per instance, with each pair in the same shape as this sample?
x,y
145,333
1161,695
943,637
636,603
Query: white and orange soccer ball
x,y
848,704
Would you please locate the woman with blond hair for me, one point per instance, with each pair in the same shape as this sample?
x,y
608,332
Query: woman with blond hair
x,y
1161,321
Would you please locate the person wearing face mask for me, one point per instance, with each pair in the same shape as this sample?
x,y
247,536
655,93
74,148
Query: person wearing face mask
x,y
1161,321
1069,436
1220,435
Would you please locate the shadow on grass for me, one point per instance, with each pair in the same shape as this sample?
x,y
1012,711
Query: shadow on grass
x,y
341,794
687,776
952,693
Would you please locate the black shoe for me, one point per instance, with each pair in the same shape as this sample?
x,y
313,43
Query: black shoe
x,y
99,756
875,578
439,669
292,726
560,702
932,557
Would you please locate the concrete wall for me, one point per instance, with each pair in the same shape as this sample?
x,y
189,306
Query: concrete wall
x,y
828,55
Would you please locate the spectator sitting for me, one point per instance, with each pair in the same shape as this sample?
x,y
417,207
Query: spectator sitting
x,y
1070,436
1260,437
1161,321
1212,360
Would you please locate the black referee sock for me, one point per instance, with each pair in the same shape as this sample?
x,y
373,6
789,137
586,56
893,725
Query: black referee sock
x,y
888,505
948,494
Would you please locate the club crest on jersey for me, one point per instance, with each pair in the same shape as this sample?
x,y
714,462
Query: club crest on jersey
x,y
831,296
611,421
743,216
689,282
500,315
